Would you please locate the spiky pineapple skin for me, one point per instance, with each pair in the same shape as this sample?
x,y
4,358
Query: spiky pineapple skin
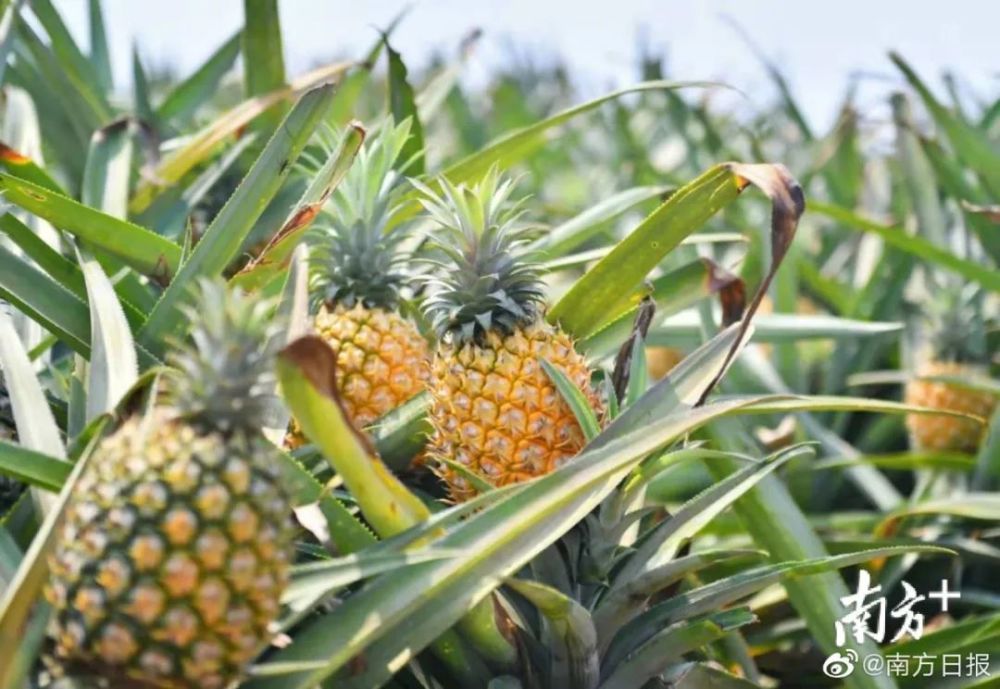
x,y
933,432
381,361
495,411
172,557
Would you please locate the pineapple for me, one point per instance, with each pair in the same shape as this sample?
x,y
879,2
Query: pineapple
x,y
494,411
932,432
176,544
956,348
356,277
661,360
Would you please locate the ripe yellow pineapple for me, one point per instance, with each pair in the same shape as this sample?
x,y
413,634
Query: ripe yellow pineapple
x,y
494,410
932,432
950,342
176,544
356,279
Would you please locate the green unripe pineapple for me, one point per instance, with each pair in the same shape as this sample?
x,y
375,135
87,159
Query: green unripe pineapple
x,y
176,544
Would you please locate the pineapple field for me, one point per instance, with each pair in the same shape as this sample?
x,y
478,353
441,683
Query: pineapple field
x,y
367,376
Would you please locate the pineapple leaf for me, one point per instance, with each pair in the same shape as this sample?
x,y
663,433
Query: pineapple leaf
x,y
24,613
34,468
306,372
972,147
146,252
730,589
575,399
206,142
114,367
492,544
45,301
609,287
185,98
670,643
273,259
516,145
23,167
571,233
918,247
403,107
575,661
263,56
224,236
100,54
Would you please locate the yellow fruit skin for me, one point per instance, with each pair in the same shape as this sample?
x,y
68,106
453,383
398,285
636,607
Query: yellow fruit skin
x,y
495,411
171,560
661,360
932,432
381,361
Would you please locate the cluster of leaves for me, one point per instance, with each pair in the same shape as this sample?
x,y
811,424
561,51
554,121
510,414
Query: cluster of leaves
x,y
623,568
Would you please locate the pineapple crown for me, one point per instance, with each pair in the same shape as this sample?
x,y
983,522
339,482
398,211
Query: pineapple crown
x,y
482,279
356,256
226,378
954,322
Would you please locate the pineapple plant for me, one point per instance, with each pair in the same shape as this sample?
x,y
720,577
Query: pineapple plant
x,y
494,410
953,346
356,278
10,488
175,547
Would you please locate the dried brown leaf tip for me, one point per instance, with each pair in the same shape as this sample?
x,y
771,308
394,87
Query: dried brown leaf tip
x,y
9,155
318,363
731,289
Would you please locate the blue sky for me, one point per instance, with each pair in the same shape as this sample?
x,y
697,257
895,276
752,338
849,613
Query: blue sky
x,y
820,43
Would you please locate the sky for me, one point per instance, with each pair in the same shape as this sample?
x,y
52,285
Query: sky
x,y
817,44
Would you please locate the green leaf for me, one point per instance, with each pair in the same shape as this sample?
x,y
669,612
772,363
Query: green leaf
x,y
914,246
36,426
142,250
402,106
80,71
293,311
314,581
624,600
491,544
610,285
206,142
143,102
45,301
26,168
263,54
34,468
518,144
23,610
573,639
224,236
972,146
114,367
189,95
670,644
171,210
8,19
575,398
684,329
980,506
273,258
671,292
581,227
401,433
307,375
730,589
100,55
